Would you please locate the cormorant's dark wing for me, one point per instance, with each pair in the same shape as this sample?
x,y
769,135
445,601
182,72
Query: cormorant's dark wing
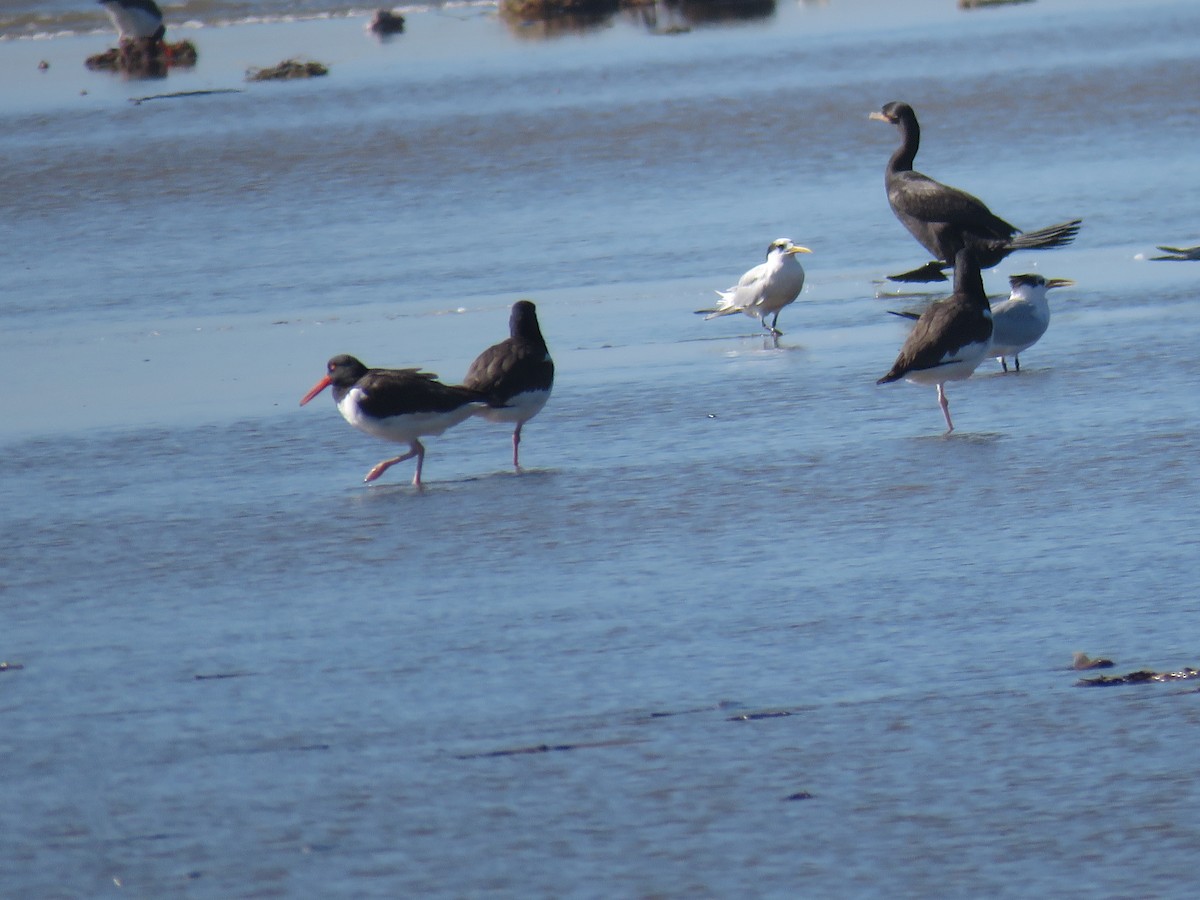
x,y
926,200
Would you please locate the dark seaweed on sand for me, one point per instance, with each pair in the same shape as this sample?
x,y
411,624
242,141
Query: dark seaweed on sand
x,y
286,70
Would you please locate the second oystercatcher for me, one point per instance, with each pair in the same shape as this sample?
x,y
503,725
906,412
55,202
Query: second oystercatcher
x,y
765,289
516,375
951,338
401,405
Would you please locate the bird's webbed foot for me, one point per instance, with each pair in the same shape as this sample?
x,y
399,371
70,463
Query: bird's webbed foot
x,y
931,271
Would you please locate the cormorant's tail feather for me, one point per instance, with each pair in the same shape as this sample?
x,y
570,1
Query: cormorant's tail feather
x,y
1045,238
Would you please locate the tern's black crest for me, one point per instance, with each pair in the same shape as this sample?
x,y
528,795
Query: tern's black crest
x,y
1016,281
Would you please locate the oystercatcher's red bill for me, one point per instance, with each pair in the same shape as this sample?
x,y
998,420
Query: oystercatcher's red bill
x,y
317,388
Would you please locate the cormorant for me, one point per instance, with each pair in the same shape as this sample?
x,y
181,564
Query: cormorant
x,y
944,219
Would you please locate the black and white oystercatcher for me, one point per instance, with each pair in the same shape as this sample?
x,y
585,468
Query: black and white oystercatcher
x,y
399,405
944,219
516,375
135,19
951,338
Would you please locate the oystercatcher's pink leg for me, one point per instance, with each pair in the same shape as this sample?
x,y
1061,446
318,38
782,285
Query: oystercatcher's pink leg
x,y
417,450
420,448
945,405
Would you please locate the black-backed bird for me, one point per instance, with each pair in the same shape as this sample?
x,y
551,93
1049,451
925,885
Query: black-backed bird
x,y
767,288
1178,254
386,23
944,219
401,405
951,338
135,19
515,375
1020,321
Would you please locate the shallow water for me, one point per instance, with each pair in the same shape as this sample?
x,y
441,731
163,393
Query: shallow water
x,y
246,674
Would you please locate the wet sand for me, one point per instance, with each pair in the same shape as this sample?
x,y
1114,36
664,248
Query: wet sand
x,y
243,673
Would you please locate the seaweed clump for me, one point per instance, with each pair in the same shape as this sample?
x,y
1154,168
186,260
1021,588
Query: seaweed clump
x,y
548,18
1142,676
287,70
557,16
144,57
545,9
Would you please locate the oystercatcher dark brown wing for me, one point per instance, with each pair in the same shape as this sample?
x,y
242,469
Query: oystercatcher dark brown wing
x,y
516,375
400,405
951,338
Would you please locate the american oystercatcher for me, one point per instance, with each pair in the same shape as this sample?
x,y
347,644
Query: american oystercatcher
x,y
944,219
135,19
1020,321
516,375
951,338
399,405
765,289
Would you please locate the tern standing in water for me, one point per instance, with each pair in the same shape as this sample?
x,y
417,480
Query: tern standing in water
x,y
767,288
1020,321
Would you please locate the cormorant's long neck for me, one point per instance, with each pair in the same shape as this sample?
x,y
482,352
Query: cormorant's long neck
x,y
910,142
